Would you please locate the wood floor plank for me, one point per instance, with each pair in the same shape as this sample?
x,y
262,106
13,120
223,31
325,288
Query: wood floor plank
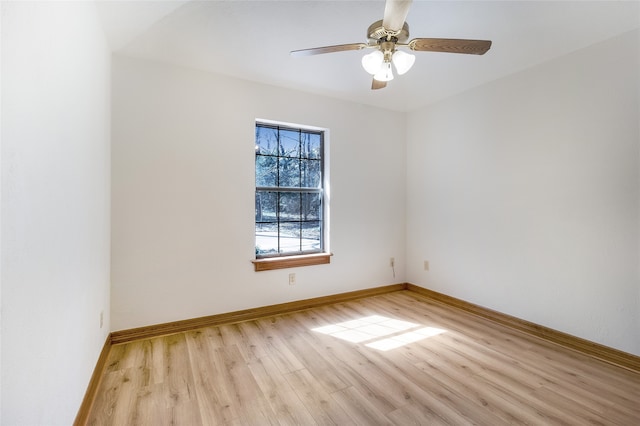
x,y
317,399
214,406
278,350
311,356
417,415
233,334
390,359
242,386
282,397
359,408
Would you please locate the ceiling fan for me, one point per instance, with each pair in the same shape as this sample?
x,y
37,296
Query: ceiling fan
x,y
391,33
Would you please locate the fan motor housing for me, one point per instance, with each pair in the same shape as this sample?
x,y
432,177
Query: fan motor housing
x,y
376,32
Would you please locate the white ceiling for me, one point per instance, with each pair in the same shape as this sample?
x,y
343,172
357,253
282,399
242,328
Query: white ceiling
x,y
252,40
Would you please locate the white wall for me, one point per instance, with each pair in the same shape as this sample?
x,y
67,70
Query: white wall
x,y
183,194
55,207
524,194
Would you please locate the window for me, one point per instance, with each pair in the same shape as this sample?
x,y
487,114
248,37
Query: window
x,y
290,196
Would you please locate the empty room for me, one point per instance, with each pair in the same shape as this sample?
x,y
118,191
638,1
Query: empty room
x,y
320,212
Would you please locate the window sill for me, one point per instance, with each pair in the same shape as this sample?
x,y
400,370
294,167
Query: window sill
x,y
268,264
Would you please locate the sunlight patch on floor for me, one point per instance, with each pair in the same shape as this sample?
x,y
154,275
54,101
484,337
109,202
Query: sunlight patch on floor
x,y
380,332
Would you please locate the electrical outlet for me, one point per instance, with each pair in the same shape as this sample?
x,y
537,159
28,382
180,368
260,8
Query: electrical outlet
x,y
426,265
392,262
292,279
101,318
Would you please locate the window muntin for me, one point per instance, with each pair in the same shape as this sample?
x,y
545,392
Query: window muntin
x,y
289,191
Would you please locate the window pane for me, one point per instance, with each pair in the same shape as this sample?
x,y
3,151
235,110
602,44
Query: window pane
x,y
266,140
289,206
266,239
311,147
289,143
311,233
311,206
290,237
311,173
266,170
289,172
266,206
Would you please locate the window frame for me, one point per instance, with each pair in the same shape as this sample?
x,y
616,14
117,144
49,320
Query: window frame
x,y
281,260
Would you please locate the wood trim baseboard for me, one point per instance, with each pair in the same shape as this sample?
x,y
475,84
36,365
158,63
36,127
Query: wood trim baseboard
x,y
139,333
90,395
595,350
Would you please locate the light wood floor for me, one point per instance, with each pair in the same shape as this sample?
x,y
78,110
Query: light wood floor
x,y
326,366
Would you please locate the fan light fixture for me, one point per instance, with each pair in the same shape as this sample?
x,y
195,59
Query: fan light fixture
x,y
384,73
403,61
373,61
375,64
390,33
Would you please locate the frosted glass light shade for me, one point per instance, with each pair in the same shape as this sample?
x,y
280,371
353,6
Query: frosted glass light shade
x,y
403,61
372,62
385,73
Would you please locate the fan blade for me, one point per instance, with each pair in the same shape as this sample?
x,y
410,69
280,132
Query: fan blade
x,y
395,13
450,45
375,84
328,49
